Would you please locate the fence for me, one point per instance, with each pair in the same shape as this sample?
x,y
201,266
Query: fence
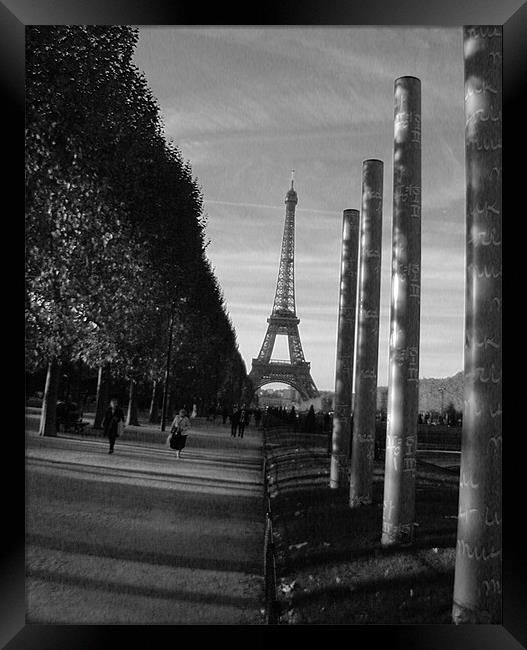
x,y
429,437
272,608
291,448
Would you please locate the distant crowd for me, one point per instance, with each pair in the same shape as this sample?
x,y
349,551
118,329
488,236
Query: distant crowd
x,y
240,417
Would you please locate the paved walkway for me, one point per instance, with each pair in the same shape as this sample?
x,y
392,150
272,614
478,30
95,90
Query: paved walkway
x,y
140,537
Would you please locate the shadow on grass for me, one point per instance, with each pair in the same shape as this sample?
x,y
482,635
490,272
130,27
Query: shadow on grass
x,y
334,556
335,533
145,592
336,593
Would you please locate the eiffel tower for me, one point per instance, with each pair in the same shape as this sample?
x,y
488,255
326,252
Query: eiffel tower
x,y
283,320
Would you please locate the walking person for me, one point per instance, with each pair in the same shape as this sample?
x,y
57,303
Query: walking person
x,y
235,420
244,419
292,419
178,436
211,415
310,421
112,423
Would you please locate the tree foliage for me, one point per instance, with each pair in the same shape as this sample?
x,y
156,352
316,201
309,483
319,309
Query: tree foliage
x,y
114,222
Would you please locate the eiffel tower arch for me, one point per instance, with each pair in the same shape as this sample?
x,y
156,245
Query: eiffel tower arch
x,y
296,372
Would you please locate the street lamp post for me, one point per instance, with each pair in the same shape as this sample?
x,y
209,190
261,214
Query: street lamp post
x,y
131,417
164,406
442,391
167,370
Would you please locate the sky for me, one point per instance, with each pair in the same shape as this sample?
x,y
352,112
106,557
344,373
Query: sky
x,y
246,105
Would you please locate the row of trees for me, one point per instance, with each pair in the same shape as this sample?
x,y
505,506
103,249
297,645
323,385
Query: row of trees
x,y
115,227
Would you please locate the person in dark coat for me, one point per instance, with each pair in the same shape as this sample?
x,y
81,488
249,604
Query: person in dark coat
x,y
212,413
310,421
292,419
112,418
235,421
242,421
62,416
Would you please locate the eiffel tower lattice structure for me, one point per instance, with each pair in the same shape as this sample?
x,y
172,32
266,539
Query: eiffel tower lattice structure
x,y
296,372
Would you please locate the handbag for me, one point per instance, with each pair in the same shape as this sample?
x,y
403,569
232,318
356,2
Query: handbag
x,y
177,441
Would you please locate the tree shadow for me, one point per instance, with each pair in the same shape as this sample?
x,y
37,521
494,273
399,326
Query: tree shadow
x,y
343,592
85,582
133,555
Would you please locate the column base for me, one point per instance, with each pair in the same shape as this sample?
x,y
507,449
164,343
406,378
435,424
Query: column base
x,y
397,535
462,615
357,502
339,473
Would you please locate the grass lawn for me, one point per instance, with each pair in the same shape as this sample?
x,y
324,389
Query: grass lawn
x,y
331,568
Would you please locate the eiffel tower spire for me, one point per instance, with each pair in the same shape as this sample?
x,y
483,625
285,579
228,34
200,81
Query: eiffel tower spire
x,y
283,320
284,300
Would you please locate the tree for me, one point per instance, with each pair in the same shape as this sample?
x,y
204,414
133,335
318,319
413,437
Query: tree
x,y
79,256
114,222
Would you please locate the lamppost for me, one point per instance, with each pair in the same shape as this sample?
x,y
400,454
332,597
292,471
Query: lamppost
x,y
167,369
442,391
164,405
131,417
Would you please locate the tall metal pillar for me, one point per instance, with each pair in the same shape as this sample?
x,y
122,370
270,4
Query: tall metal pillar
x,y
363,441
403,377
341,443
477,583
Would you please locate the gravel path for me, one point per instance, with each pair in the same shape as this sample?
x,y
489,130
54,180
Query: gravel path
x,y
142,538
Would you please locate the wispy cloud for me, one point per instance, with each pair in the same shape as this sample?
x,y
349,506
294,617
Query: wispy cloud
x,y
267,207
245,105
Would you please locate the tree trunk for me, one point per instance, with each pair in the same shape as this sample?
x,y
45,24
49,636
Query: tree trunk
x,y
170,407
79,392
101,401
67,383
48,417
153,415
131,417
76,383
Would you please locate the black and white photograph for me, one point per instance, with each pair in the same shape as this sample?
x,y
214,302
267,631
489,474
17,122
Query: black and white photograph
x,y
263,325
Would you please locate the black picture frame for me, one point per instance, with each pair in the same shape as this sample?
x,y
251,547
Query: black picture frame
x,y
14,16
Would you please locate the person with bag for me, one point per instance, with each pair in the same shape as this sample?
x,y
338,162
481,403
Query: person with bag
x,y
113,423
178,438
